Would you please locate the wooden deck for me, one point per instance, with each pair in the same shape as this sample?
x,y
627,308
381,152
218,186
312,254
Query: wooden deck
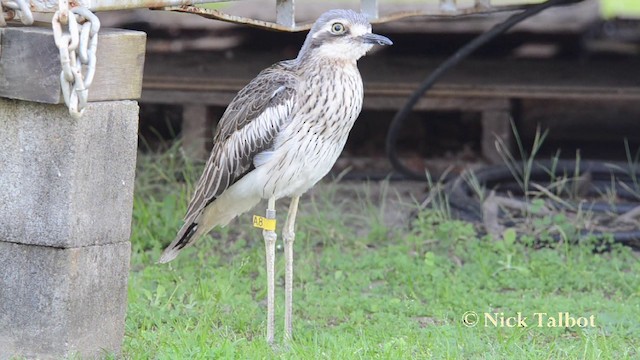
x,y
490,87
214,80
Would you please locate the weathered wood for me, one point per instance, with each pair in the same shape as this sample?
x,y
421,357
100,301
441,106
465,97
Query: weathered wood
x,y
574,19
372,100
397,78
30,65
582,121
370,8
496,126
104,5
197,130
285,13
178,97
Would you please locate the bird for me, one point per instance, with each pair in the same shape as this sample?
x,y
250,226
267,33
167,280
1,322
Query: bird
x,y
278,137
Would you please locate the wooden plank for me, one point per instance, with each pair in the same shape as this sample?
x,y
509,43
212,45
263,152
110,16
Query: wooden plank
x,y
119,69
214,90
400,76
371,101
431,103
107,5
496,126
285,13
183,97
573,19
369,8
30,65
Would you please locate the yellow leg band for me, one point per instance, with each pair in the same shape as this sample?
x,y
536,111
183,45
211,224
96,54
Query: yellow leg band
x,y
264,223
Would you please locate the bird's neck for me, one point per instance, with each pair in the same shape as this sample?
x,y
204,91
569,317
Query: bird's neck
x,y
305,63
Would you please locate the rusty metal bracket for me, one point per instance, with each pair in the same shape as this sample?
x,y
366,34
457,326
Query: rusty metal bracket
x,y
285,14
219,15
479,9
44,6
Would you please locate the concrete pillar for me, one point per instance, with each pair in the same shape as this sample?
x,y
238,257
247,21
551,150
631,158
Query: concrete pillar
x,y
66,196
65,221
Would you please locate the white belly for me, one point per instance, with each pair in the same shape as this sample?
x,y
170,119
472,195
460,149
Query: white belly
x,y
298,170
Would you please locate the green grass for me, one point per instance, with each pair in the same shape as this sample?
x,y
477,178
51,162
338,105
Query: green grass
x,y
364,290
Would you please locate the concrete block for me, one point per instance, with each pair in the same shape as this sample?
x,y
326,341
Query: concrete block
x,y
67,182
58,302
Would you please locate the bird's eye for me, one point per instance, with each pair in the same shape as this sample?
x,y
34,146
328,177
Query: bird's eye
x,y
337,28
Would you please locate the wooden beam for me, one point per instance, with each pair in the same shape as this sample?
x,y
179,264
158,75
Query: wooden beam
x,y
197,130
30,65
369,8
496,125
285,13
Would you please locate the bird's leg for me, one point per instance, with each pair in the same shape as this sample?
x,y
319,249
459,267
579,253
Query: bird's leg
x,y
270,237
288,235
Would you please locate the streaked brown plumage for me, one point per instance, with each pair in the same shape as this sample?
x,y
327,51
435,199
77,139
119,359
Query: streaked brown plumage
x,y
281,134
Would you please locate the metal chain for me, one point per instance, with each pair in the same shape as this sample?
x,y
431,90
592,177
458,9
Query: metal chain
x,y
77,47
21,7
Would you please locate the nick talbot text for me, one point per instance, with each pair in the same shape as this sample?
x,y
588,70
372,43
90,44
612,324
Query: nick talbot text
x,y
539,319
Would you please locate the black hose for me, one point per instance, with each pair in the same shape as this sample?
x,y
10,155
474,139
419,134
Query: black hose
x,y
399,119
465,205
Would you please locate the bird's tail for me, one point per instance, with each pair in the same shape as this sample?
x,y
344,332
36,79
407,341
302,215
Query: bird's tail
x,y
218,213
186,236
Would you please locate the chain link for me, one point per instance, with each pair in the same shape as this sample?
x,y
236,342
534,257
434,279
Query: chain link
x,y
77,47
21,7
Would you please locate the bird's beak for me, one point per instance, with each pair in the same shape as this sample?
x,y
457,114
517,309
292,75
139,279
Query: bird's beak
x,y
376,39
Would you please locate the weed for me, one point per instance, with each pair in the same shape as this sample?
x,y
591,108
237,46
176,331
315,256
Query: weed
x,y
363,290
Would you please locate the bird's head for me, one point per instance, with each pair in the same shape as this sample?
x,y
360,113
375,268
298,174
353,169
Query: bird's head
x,y
341,34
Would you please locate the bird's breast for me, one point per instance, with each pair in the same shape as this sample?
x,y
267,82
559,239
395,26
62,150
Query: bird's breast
x,y
307,148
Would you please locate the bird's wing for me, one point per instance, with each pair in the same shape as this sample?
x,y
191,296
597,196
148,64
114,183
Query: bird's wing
x,y
249,126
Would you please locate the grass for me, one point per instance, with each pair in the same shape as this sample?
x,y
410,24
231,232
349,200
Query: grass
x,y
363,289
